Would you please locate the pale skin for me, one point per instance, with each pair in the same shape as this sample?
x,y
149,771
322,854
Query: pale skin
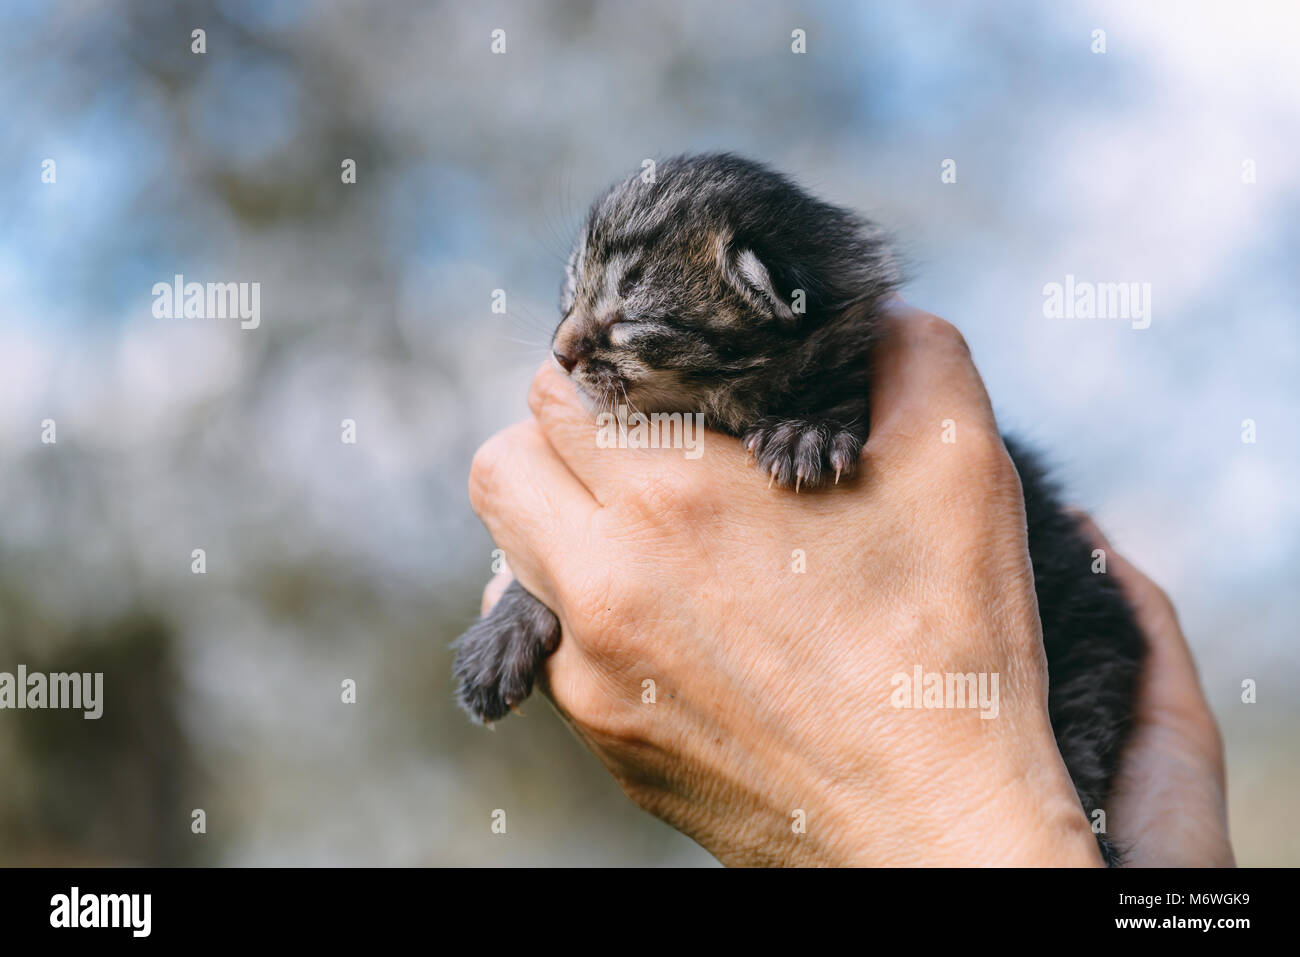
x,y
772,687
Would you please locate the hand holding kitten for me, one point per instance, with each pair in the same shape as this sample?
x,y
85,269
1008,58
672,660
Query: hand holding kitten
x,y
773,703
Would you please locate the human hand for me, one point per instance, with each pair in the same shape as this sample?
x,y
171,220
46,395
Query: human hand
x,y
773,688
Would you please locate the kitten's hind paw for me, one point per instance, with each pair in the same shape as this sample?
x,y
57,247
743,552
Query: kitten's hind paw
x,y
802,453
499,658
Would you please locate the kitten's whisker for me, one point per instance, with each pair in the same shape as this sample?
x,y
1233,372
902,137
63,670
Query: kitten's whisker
x,y
627,401
525,342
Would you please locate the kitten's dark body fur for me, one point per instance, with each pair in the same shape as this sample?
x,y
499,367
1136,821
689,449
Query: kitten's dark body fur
x,y
681,296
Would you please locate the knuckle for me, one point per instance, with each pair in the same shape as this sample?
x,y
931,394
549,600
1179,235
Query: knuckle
x,y
678,492
940,332
977,458
619,719
484,472
488,469
614,721
1156,601
990,458
1160,598
606,610
604,710
588,707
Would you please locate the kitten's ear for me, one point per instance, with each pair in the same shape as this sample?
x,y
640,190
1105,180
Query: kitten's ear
x,y
747,274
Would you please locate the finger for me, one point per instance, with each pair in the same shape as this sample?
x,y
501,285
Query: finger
x,y
923,376
570,425
566,677
494,589
1170,687
621,473
1175,747
532,505
1152,608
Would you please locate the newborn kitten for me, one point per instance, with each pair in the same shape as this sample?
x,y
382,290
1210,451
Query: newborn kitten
x,y
724,288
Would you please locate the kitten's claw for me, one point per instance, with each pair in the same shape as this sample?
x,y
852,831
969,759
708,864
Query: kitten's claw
x,y
799,453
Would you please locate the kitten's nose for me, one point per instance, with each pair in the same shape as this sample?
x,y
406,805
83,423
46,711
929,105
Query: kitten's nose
x,y
566,361
571,344
570,349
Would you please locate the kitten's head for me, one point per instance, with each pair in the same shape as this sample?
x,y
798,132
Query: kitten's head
x,y
693,279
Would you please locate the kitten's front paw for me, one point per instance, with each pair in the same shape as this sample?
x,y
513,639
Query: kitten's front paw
x,y
801,452
500,656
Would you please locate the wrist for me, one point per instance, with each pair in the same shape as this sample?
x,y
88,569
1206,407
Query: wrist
x,y
1027,816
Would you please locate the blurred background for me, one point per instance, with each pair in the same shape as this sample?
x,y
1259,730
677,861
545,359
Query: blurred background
x,y
329,561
